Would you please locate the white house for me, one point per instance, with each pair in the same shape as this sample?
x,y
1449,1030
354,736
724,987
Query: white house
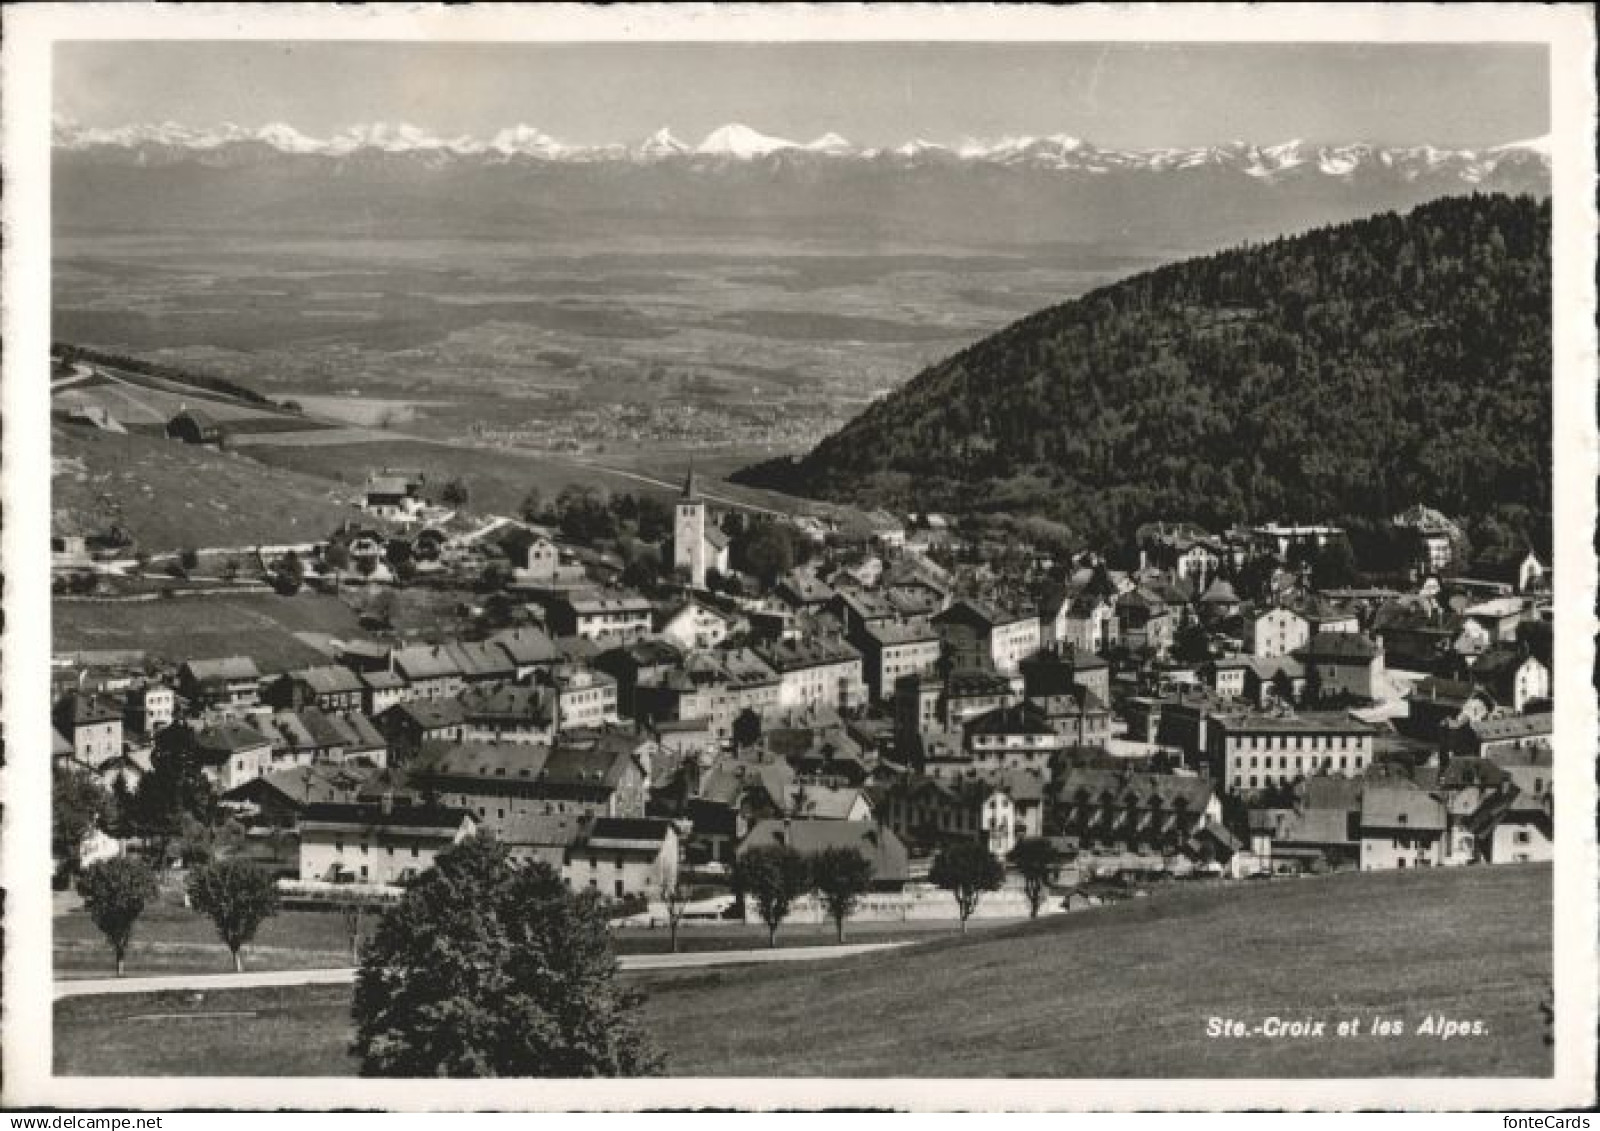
x,y
376,843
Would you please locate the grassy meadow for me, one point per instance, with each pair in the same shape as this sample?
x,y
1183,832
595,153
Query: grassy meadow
x,y
1125,990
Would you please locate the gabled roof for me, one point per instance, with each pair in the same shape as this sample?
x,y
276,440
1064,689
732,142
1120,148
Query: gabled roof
x,y
1389,807
228,738
984,614
427,714
1346,647
729,778
1512,727
226,668
1219,592
329,679
1499,663
1011,718
400,818
88,709
639,833
541,830
822,803
795,655
487,761
890,861
388,485
426,661
890,633
593,767
304,785
526,645
481,659
1138,790
505,702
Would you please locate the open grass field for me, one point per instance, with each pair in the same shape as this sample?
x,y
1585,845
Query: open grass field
x,y
1119,991
498,479
263,627
172,939
171,495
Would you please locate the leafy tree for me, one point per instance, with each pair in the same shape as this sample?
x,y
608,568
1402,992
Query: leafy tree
x,y
654,518
78,806
174,787
1037,859
767,549
643,572
455,494
966,869
336,556
583,515
237,898
746,729
774,876
114,893
532,506
490,968
1334,566
841,876
1191,644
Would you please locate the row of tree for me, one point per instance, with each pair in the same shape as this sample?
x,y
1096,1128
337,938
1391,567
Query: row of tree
x,y
773,877
235,896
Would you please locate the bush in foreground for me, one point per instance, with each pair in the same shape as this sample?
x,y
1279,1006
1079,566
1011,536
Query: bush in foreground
x,y
491,968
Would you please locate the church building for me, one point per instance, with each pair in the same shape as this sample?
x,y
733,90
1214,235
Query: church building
x,y
697,544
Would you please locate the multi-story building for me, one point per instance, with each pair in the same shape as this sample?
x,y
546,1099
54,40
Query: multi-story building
x,y
1276,632
376,843
891,649
585,698
612,617
93,726
1252,752
430,670
1343,663
819,671
230,682
978,634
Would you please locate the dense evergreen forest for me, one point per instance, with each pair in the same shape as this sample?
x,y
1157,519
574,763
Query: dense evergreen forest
x,y
1345,373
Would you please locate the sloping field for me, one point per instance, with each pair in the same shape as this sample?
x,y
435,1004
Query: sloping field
x,y
1129,990
1120,991
263,627
172,495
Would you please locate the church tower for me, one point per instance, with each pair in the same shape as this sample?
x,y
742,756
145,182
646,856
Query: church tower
x,y
689,533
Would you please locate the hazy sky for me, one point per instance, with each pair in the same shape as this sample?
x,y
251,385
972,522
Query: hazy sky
x,y
1114,94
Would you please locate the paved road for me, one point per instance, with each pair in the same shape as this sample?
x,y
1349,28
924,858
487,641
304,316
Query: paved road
x,y
254,979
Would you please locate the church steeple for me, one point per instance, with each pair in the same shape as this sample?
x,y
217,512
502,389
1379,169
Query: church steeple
x,y
689,491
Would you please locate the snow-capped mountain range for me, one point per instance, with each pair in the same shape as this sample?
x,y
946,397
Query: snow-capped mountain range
x,y
171,142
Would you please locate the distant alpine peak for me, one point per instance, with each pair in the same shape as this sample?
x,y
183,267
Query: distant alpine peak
x,y
1059,152
525,139
736,140
660,144
830,142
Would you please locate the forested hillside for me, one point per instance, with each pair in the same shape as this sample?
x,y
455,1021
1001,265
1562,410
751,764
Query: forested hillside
x,y
1345,373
